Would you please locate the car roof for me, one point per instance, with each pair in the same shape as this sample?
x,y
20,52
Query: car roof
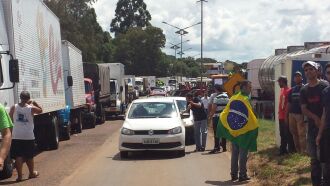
x,y
153,99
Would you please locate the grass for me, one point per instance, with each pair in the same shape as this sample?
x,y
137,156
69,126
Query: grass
x,y
270,169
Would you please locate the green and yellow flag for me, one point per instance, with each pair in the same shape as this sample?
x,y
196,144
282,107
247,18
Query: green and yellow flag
x,y
238,123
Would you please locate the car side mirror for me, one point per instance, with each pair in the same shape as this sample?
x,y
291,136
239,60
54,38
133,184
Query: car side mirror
x,y
13,71
70,81
185,115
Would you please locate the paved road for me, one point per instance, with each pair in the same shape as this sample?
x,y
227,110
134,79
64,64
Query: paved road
x,y
92,158
105,167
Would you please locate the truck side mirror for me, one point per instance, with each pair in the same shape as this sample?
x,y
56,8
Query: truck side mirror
x,y
13,71
70,81
121,88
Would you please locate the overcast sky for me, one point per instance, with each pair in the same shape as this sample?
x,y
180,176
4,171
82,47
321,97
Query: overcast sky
x,y
239,30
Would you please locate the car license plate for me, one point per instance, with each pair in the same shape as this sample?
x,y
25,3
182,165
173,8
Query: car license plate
x,y
151,141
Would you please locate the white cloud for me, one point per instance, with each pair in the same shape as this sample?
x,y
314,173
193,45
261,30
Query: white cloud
x,y
237,30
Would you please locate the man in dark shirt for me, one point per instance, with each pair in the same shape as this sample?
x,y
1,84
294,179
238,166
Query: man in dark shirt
x,y
311,106
200,121
323,137
296,119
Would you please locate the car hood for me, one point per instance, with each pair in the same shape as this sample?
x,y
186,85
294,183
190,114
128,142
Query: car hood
x,y
152,123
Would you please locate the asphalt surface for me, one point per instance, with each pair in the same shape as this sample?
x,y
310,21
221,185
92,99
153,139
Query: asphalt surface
x,y
92,158
56,165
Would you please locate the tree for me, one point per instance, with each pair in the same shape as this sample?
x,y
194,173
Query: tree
x,y
79,26
130,14
140,50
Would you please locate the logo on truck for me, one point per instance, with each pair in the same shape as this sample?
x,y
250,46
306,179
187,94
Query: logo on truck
x,y
53,60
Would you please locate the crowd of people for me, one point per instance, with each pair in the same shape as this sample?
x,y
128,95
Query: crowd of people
x,y
304,119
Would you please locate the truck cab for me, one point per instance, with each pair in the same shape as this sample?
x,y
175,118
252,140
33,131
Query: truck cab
x,y
116,104
89,93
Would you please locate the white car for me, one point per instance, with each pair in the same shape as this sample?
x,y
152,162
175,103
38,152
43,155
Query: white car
x,y
187,122
152,124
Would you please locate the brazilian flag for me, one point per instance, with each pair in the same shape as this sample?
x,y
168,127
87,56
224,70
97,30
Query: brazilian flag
x,y
238,123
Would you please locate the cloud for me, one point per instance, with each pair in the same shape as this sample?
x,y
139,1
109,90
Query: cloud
x,y
237,30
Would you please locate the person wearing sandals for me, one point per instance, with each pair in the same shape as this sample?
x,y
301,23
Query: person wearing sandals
x,y
22,148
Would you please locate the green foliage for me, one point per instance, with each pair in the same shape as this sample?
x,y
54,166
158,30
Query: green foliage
x,y
130,14
79,26
140,50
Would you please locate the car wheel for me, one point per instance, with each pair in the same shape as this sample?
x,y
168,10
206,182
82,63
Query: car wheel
x,y
123,154
181,153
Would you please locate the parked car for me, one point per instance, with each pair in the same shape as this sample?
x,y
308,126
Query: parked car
x,y
187,122
152,124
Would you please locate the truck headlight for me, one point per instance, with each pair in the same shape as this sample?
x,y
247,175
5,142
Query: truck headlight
x,y
176,130
126,131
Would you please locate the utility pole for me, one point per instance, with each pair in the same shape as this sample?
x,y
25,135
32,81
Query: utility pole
x,y
202,1
175,46
181,32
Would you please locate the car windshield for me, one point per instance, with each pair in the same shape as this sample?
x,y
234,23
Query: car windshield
x,y
182,105
152,110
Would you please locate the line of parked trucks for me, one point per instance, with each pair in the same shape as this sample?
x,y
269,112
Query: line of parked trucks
x,y
74,95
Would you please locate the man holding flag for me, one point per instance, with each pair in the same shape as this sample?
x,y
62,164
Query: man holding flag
x,y
239,125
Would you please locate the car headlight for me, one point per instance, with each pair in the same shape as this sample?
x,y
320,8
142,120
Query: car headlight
x,y
176,130
126,131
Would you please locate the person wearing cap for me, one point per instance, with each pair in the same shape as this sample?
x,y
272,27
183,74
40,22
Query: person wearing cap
x,y
311,107
22,148
287,144
323,137
219,103
296,118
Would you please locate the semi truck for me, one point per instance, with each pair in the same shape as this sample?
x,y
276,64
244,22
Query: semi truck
x,y
117,89
30,49
74,87
97,89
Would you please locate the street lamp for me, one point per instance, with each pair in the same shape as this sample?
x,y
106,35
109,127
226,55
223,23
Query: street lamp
x,y
182,51
175,46
181,31
202,1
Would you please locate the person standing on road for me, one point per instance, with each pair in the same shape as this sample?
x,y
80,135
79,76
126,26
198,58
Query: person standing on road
x,y
219,103
296,119
23,137
311,106
287,144
200,121
5,126
323,137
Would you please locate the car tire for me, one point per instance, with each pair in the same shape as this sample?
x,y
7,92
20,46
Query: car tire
x,y
181,153
123,154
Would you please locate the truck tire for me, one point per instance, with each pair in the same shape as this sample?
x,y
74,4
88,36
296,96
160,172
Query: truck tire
x,y
53,133
40,130
76,121
92,120
8,167
102,115
66,132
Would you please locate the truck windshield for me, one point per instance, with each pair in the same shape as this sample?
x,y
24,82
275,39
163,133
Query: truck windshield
x,y
112,87
138,83
87,87
172,81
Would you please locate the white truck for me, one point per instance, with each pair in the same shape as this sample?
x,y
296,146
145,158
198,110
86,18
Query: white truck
x,y
30,52
117,89
74,87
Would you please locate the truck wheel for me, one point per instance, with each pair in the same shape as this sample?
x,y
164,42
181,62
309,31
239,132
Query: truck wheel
x,y
79,122
66,132
8,167
41,130
102,115
92,120
123,154
54,134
